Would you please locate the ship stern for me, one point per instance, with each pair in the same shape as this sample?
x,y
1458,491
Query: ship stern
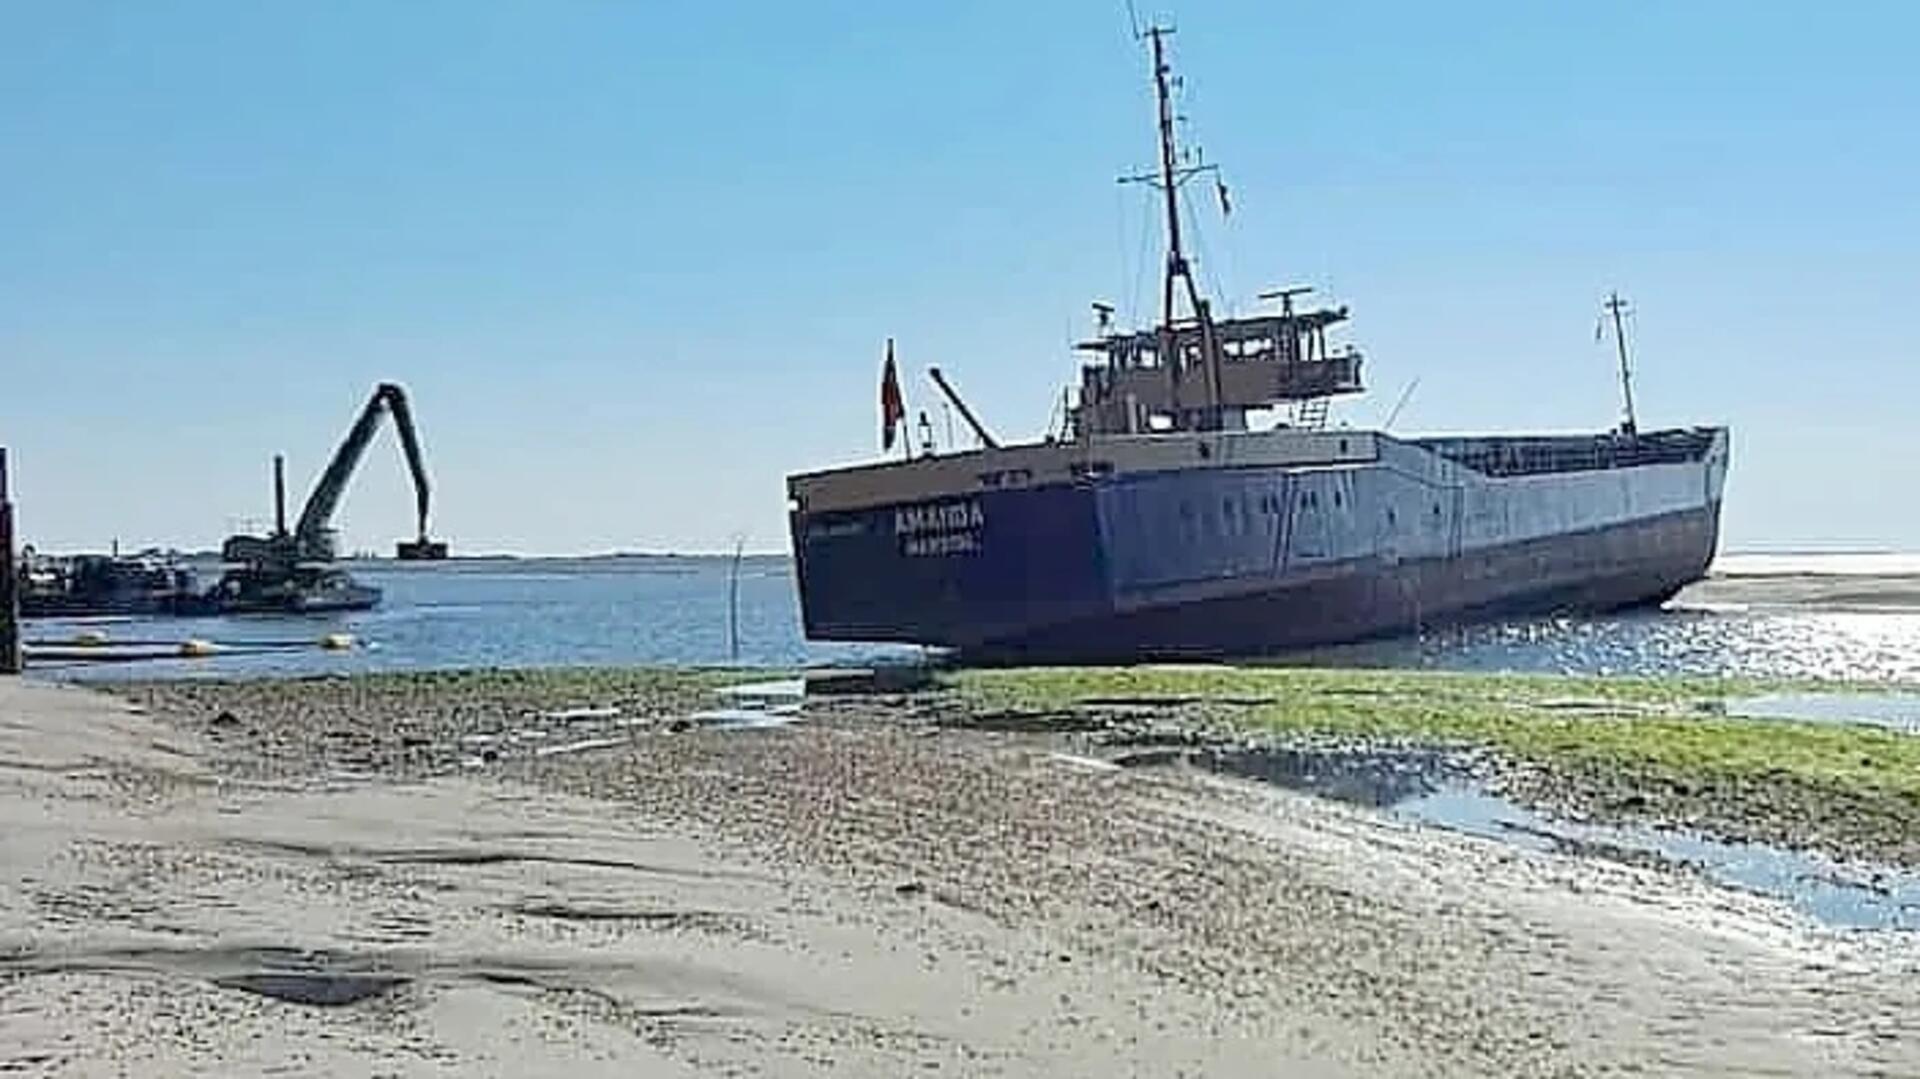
x,y
942,566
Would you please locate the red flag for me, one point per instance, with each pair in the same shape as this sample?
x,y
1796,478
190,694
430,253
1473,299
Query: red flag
x,y
892,409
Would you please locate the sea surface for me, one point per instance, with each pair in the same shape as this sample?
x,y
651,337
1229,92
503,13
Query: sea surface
x,y
1854,616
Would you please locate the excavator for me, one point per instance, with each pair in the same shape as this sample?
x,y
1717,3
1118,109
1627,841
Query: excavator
x,y
293,570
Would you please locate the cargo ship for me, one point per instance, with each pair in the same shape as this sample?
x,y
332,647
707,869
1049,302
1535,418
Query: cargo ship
x,y
1161,524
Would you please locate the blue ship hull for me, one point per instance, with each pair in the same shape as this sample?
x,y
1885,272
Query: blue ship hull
x,y
1221,561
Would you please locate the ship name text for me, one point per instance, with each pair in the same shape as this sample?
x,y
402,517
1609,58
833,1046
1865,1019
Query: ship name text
x,y
939,528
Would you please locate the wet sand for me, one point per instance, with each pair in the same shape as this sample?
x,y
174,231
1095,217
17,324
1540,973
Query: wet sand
x,y
1788,589
433,876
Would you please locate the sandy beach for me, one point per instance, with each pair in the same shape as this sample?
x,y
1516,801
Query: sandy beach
x,y
426,876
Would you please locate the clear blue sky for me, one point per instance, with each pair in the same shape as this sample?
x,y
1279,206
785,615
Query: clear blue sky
x,y
636,261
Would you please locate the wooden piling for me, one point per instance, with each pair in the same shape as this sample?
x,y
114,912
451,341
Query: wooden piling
x,y
10,658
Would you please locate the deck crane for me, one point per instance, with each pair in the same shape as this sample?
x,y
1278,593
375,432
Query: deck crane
x,y
312,538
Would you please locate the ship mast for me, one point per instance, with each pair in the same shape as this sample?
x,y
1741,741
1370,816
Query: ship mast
x,y
1617,307
1176,261
1170,176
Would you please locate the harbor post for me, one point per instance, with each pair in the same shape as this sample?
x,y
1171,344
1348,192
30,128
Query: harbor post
x,y
9,580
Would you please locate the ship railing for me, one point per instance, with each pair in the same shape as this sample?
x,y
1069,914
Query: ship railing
x,y
1540,456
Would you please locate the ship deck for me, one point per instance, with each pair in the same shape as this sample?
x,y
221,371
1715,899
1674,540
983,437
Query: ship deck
x,y
1101,457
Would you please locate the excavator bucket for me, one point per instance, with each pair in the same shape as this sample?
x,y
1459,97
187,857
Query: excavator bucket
x,y
420,550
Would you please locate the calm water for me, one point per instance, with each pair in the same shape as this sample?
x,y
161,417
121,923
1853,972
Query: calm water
x,y
1866,646
1428,786
507,612
1759,622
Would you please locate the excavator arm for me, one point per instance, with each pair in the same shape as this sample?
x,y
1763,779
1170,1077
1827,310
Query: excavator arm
x,y
312,533
416,462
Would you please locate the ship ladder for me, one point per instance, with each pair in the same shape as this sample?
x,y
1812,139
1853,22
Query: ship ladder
x,y
1311,414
